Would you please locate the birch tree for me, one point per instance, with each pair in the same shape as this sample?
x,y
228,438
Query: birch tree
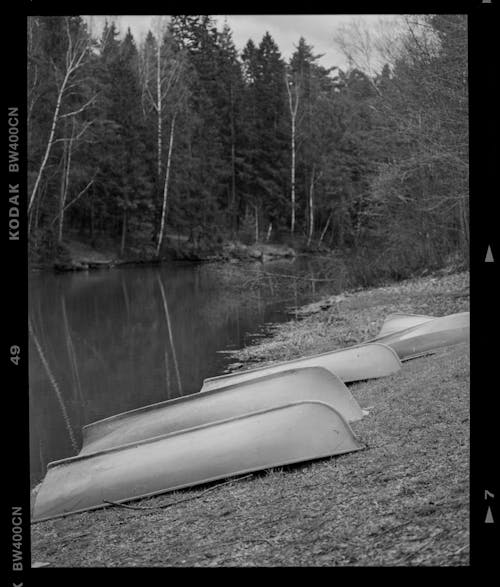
x,y
308,95
35,75
68,78
165,186
293,91
165,94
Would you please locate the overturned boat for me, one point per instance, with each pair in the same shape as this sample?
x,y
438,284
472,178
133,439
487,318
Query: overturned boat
x,y
398,321
360,362
426,335
264,392
292,433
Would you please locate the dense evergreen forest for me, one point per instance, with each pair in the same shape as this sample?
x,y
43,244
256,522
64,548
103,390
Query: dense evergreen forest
x,y
130,142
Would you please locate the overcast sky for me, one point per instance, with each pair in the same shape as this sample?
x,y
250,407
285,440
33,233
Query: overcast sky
x,y
286,29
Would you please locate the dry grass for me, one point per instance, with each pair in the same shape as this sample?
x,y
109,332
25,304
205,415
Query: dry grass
x,y
402,501
351,318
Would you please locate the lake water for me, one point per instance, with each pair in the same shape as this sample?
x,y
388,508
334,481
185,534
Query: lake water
x,y
108,341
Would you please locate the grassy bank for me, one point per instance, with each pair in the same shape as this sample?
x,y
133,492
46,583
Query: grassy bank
x,y
74,255
404,500
352,317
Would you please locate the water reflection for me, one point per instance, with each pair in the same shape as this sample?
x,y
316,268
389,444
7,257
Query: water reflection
x,y
109,341
171,341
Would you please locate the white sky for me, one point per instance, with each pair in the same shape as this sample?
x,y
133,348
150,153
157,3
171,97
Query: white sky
x,y
286,29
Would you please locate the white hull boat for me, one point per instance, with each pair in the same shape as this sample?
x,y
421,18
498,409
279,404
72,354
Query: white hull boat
x,y
269,438
265,392
357,363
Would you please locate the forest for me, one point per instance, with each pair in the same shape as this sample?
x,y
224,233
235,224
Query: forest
x,y
178,133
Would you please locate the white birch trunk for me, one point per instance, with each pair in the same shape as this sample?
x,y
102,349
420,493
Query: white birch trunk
x,y
159,101
62,191
323,232
293,114
68,149
75,54
311,208
165,187
50,142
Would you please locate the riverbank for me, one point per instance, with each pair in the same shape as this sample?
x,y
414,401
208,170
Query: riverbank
x,y
353,317
404,500
74,255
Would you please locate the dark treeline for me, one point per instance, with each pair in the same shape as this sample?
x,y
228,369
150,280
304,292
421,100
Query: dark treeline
x,y
181,134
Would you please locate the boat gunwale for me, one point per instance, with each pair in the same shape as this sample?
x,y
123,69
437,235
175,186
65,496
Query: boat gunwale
x,y
81,457
359,446
394,314
296,359
191,397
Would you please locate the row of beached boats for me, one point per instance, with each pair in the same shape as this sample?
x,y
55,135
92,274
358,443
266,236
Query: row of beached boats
x,y
238,423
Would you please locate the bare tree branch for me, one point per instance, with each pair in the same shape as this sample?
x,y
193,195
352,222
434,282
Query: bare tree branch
x,y
81,109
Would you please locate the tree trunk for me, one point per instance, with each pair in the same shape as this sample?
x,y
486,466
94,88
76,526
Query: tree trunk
x,y
62,192
311,208
293,114
159,104
464,225
68,148
323,232
292,225
50,142
74,59
256,224
340,239
233,167
165,188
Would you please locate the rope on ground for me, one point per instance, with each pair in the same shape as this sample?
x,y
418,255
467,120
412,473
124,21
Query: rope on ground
x,y
166,505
